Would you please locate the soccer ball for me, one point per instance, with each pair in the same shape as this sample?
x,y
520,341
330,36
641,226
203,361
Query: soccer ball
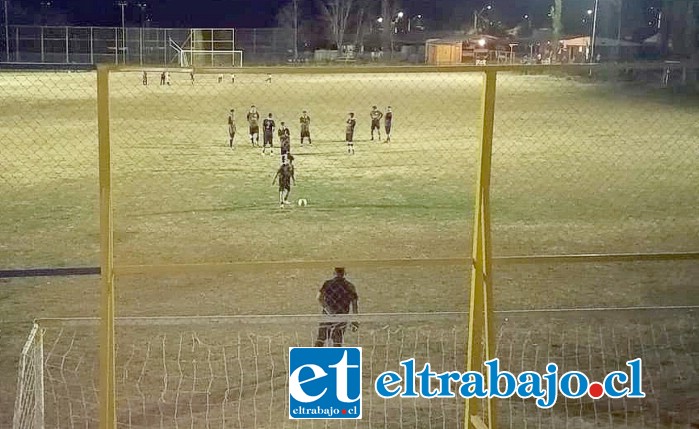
x,y
303,202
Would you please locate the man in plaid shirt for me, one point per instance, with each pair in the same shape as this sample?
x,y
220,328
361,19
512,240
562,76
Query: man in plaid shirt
x,y
336,296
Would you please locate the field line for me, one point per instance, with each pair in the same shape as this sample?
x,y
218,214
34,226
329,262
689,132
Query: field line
x,y
364,317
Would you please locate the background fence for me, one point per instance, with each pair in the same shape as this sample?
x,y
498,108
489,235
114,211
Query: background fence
x,y
578,167
132,45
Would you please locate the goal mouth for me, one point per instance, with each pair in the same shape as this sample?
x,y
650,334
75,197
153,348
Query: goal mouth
x,y
232,370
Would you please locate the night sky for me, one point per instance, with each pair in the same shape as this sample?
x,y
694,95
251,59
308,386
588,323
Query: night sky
x,y
261,13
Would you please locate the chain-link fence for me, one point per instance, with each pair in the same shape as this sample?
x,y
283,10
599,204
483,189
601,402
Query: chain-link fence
x,y
579,166
144,45
100,45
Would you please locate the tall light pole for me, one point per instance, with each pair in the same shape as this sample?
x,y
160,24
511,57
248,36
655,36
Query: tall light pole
x,y
477,15
399,16
7,34
594,31
122,4
142,6
411,19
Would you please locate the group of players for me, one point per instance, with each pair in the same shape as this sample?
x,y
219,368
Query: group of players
x,y
285,173
165,78
269,125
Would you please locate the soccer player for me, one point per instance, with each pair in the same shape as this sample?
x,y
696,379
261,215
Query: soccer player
x,y
220,78
284,140
232,78
268,127
191,77
387,120
162,78
145,78
376,116
253,118
305,121
285,173
167,78
269,78
349,133
336,296
231,127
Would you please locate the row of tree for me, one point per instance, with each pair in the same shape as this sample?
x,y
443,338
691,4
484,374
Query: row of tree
x,y
349,21
346,21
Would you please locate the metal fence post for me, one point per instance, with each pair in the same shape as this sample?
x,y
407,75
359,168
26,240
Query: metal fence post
x,y
116,45
42,44
67,48
140,46
92,50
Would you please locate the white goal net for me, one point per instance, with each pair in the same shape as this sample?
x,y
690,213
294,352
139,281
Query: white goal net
x,y
214,59
232,372
206,47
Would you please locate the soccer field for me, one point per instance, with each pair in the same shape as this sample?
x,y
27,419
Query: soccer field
x,y
577,168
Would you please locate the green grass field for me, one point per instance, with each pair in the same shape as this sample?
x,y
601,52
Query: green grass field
x,y
577,168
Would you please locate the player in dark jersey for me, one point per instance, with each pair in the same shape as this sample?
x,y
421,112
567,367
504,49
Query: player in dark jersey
x,y
162,78
284,140
305,121
253,118
268,127
145,78
285,173
376,116
191,77
336,296
387,121
231,127
349,133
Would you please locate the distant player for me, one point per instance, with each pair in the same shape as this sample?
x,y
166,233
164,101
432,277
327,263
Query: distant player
x,y
376,116
191,77
145,78
387,121
349,133
232,78
269,78
162,78
167,78
253,118
285,173
284,140
220,78
231,127
268,127
305,121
